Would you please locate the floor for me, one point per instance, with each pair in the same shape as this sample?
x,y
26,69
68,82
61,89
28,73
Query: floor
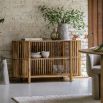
x,y
77,87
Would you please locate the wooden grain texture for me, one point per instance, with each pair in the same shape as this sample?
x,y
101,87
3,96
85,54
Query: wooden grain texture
x,y
95,22
79,57
100,22
71,61
90,23
101,79
63,57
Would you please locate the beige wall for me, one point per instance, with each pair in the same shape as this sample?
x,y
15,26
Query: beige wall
x,y
22,19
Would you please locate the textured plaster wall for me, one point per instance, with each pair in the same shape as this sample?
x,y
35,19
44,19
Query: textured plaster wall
x,y
22,19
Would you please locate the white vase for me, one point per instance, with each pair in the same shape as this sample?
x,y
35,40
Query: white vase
x,y
4,72
64,31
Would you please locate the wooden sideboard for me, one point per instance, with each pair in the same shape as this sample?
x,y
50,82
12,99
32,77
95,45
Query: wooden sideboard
x,y
64,56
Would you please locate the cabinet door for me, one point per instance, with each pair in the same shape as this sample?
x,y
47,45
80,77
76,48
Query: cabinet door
x,y
20,55
25,58
95,22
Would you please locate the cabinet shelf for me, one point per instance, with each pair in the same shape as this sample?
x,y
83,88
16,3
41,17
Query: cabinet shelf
x,y
64,58
44,58
45,76
50,58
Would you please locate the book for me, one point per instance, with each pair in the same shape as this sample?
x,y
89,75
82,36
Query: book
x,y
32,39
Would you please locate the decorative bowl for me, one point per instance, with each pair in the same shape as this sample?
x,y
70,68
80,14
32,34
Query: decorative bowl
x,y
36,55
45,54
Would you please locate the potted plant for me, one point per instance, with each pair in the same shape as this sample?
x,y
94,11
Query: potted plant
x,y
64,19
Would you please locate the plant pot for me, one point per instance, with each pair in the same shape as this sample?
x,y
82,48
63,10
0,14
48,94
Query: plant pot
x,y
64,31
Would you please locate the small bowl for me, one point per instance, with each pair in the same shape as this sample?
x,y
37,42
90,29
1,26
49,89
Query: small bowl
x,y
45,54
35,55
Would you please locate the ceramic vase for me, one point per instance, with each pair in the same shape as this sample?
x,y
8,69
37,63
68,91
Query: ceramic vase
x,y
64,31
54,35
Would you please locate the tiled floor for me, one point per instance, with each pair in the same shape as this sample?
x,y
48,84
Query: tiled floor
x,y
77,87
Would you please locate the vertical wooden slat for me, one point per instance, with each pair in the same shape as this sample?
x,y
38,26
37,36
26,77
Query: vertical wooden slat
x,y
63,54
49,66
71,64
90,23
34,67
75,59
79,58
39,66
29,68
100,22
95,20
73,50
43,67
95,24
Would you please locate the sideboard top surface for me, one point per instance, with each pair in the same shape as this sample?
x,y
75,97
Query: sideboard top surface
x,y
46,40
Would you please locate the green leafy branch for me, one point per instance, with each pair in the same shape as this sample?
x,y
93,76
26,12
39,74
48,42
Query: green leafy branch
x,y
59,15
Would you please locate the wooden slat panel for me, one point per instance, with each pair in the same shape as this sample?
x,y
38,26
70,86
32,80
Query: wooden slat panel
x,y
90,23
71,61
62,54
95,20
79,58
20,66
75,66
95,23
100,22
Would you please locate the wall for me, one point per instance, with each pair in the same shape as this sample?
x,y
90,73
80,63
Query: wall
x,y
22,19
84,45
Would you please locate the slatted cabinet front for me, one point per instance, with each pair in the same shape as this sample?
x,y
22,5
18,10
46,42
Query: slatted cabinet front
x,y
64,59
